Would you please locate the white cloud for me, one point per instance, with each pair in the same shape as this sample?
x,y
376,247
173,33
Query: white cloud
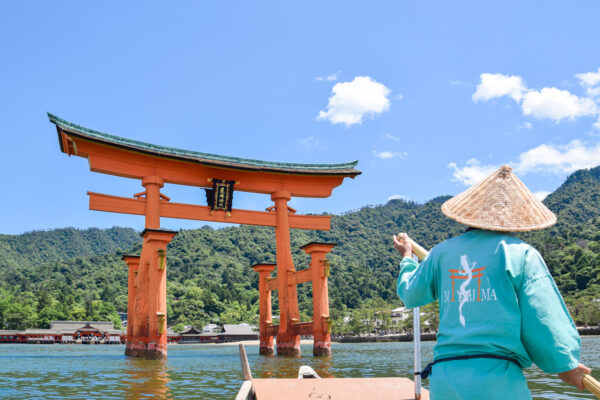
x,y
541,194
560,159
460,83
498,85
589,78
329,78
526,125
351,101
311,142
556,104
472,172
545,158
399,197
549,102
399,96
593,92
389,154
391,137
591,82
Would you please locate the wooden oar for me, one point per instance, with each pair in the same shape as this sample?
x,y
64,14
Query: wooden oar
x,y
592,385
417,250
589,382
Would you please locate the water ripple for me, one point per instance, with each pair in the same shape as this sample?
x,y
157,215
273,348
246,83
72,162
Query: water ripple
x,y
213,372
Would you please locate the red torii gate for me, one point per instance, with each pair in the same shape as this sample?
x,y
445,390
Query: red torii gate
x,y
155,165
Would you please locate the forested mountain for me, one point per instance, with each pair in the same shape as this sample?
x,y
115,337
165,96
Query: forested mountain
x,y
62,244
577,200
571,248
71,274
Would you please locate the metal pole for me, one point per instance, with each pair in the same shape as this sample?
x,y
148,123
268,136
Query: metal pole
x,y
417,349
420,253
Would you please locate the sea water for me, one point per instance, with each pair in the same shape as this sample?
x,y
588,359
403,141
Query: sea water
x,y
213,371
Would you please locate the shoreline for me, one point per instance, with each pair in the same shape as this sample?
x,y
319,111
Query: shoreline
x,y
244,342
431,337
408,337
348,339
425,337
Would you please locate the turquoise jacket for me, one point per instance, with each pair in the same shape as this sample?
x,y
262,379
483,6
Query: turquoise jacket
x,y
496,296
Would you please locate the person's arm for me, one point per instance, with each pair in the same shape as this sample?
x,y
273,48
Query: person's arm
x,y
547,330
416,284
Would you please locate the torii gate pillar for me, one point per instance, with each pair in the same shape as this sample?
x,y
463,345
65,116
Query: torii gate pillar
x,y
133,262
288,341
149,332
321,320
265,308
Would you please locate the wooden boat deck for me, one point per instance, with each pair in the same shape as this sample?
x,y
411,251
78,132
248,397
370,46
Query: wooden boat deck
x,y
336,388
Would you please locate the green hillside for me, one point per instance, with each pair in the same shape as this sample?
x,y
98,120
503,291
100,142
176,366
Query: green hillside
x,y
71,274
40,247
576,200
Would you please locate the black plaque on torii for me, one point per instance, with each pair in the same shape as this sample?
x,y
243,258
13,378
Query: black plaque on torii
x,y
220,197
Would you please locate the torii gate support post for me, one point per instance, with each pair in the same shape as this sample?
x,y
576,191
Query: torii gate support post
x,y
265,308
136,347
149,334
288,341
321,320
156,240
153,185
133,262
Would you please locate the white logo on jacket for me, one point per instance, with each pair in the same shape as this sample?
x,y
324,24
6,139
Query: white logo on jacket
x,y
467,273
463,293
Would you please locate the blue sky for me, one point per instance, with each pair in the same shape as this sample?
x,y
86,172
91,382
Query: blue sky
x,y
428,96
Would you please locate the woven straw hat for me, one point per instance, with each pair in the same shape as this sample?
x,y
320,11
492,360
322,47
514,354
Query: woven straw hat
x,y
500,202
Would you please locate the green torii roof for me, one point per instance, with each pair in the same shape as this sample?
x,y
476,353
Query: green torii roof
x,y
70,128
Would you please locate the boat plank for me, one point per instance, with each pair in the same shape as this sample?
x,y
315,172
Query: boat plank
x,y
336,388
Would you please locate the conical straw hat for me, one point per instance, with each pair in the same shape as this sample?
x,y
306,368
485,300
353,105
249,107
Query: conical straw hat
x,y
500,202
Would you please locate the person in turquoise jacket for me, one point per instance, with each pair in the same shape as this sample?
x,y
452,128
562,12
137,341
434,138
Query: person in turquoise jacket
x,y
500,310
